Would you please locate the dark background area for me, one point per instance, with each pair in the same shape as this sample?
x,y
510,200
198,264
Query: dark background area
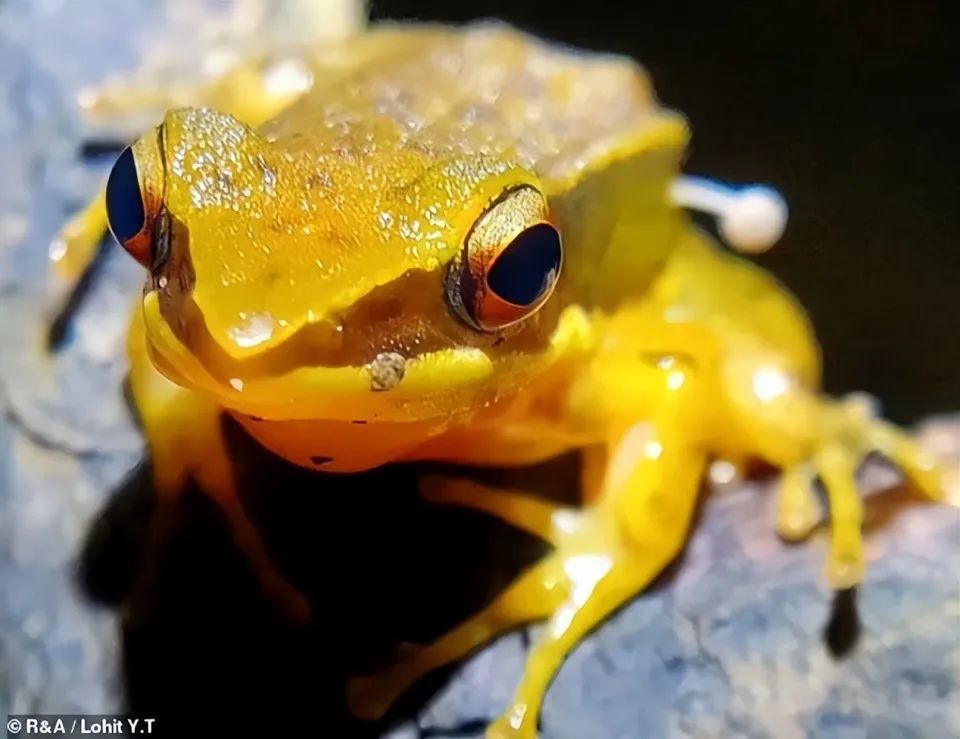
x,y
849,109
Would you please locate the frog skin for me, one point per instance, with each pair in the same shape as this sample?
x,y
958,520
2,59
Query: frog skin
x,y
471,246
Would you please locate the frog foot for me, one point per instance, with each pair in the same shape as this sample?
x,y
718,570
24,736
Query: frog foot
x,y
851,432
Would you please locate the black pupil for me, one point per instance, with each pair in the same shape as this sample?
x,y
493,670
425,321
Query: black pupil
x,y
124,203
528,266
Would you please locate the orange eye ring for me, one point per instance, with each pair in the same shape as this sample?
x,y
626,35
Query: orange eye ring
x,y
510,264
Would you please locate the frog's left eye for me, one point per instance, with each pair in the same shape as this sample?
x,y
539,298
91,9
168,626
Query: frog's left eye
x,y
509,265
126,214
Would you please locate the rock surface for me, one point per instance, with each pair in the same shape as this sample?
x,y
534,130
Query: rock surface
x,y
730,644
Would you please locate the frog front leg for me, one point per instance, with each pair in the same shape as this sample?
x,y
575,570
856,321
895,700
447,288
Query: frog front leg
x,y
638,527
185,439
605,553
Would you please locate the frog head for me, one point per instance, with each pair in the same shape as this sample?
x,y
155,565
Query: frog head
x,y
334,274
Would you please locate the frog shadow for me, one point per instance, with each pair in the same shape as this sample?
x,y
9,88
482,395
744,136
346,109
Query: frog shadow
x,y
380,567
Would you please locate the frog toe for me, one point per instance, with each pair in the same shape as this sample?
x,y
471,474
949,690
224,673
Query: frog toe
x,y
919,466
505,728
798,508
837,468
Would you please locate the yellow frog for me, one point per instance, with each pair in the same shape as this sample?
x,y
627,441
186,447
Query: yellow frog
x,y
468,245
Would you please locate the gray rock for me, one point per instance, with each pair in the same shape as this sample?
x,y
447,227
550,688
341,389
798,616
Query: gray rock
x,y
409,730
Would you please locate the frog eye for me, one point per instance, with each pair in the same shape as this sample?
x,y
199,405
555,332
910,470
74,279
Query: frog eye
x,y
126,214
510,263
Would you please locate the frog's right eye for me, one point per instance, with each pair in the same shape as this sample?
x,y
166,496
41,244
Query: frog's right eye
x,y
126,214
509,265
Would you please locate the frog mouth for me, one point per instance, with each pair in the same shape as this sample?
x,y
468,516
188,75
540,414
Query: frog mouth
x,y
397,347
401,317
345,392
430,384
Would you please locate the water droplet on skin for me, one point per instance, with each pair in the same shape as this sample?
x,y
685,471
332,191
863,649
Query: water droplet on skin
x,y
255,330
770,383
653,449
675,380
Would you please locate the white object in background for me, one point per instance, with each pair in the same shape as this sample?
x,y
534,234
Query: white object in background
x,y
751,219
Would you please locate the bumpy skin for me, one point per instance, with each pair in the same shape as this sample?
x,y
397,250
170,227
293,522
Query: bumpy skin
x,y
313,239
